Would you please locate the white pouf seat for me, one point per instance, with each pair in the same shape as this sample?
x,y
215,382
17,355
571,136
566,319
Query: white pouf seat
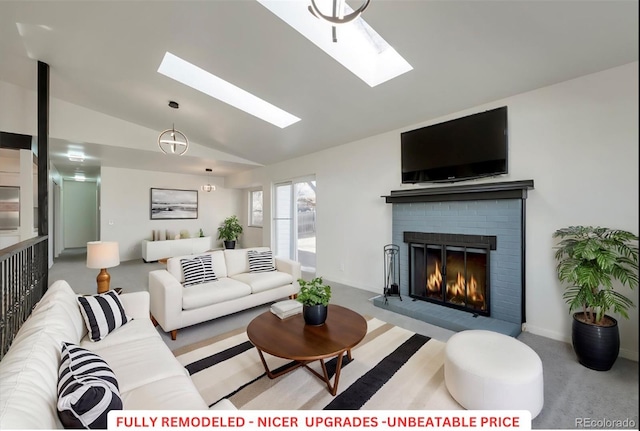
x,y
485,370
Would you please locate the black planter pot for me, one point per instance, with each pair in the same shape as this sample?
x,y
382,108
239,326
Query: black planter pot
x,y
314,315
229,244
596,347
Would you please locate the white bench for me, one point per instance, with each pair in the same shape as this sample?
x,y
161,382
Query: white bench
x,y
485,370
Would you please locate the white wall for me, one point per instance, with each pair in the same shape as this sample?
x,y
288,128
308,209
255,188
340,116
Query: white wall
x,y
577,140
18,109
124,207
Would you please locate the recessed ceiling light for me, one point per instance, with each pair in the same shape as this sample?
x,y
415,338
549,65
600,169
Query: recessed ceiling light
x,y
189,74
76,157
79,177
359,48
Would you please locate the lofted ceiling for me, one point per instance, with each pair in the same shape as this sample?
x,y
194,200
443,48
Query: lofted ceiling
x,y
104,56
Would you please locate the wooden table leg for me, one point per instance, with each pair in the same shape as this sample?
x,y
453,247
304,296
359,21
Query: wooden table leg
x,y
333,388
280,373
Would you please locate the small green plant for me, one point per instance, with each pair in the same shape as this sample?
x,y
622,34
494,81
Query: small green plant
x,y
589,259
314,292
230,229
201,233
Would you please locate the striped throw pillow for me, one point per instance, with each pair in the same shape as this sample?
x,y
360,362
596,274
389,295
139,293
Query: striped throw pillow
x,y
198,270
102,313
87,389
261,261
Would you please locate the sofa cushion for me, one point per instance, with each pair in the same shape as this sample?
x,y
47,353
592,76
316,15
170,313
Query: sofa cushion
x,y
261,281
261,261
198,270
222,290
136,329
237,260
58,314
103,313
171,393
140,362
174,267
87,389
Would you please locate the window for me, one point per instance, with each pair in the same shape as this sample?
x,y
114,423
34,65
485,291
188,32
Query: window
x,y
255,208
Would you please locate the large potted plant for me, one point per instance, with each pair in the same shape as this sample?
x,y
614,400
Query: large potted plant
x,y
589,260
229,231
314,296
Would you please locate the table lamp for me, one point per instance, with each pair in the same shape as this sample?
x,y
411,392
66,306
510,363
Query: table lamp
x,y
102,255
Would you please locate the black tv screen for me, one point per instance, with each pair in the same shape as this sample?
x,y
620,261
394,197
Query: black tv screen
x,y
469,147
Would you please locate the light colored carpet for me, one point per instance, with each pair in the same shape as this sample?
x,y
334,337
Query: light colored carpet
x,y
381,376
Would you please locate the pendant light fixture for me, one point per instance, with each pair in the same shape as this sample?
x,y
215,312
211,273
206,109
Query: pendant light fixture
x,y
172,141
208,187
337,16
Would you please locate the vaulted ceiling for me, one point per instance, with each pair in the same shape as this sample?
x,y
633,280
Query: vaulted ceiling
x,y
104,56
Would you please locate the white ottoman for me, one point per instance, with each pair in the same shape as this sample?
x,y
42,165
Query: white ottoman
x,y
485,370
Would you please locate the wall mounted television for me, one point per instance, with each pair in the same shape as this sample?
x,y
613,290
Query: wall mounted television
x,y
461,149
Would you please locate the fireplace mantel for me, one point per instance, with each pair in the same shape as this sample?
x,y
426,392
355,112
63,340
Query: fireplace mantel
x,y
466,192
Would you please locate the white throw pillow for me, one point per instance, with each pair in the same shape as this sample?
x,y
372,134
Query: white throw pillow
x,y
87,389
260,261
198,270
102,313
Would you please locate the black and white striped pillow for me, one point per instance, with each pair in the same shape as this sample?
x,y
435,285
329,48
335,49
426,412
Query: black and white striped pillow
x,y
102,313
87,389
198,270
261,261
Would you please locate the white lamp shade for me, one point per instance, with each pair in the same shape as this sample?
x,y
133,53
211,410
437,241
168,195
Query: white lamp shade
x,y
102,254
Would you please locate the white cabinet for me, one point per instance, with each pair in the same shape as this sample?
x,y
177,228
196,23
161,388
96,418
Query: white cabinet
x,y
154,250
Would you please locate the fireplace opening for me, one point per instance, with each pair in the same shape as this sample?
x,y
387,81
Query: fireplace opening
x,y
451,272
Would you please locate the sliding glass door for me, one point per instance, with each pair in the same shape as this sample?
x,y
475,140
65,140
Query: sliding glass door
x,y
294,222
283,220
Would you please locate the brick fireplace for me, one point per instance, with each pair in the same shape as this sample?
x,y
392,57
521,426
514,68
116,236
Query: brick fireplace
x,y
463,222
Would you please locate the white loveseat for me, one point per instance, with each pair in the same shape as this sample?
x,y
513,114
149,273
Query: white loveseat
x,y
148,374
174,306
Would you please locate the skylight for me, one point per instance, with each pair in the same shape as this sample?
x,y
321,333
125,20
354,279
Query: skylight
x,y
189,74
359,48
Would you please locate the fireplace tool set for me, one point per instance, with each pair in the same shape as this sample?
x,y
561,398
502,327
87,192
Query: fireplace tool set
x,y
391,272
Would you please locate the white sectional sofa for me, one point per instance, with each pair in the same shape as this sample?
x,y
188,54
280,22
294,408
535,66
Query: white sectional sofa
x,y
148,374
174,306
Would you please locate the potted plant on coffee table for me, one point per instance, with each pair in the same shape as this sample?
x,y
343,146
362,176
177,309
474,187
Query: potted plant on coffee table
x,y
589,260
314,296
229,231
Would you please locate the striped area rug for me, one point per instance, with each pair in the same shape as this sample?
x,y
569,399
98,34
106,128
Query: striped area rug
x,y
392,369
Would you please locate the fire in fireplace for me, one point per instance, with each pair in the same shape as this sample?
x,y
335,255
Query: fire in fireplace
x,y
451,270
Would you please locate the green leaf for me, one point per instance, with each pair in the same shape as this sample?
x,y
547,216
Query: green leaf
x,y
589,261
313,292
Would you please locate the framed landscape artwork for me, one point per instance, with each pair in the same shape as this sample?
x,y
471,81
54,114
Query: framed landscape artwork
x,y
174,204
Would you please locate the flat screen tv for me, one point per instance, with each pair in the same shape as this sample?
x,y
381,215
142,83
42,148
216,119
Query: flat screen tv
x,y
461,149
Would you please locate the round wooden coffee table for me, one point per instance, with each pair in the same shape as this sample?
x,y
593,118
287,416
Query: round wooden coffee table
x,y
291,338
